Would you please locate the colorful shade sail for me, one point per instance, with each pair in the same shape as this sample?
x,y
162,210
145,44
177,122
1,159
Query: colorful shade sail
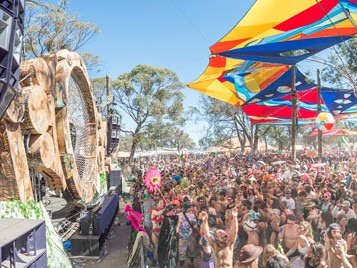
x,y
282,87
236,81
249,67
342,104
338,101
273,29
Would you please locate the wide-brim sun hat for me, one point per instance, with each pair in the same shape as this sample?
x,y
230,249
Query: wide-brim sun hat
x,y
309,204
249,253
249,225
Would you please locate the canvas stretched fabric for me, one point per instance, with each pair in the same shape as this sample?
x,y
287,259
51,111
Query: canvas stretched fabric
x,y
253,55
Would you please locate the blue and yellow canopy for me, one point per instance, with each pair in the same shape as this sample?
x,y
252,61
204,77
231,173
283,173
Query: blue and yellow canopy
x,y
250,66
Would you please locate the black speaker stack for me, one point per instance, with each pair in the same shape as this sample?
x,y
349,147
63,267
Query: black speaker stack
x,y
115,182
12,15
113,135
94,227
104,215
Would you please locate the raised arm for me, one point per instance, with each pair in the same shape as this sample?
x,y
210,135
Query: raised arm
x,y
233,232
205,228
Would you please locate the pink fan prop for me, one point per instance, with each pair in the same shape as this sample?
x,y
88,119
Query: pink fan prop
x,y
152,179
135,219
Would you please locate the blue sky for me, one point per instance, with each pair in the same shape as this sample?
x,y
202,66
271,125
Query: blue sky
x,y
171,34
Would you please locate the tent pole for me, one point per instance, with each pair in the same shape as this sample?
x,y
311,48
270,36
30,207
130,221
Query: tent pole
x,y
294,115
319,131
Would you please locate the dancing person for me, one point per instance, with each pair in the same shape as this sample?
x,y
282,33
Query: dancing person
x,y
273,258
207,256
168,239
302,244
334,240
188,225
314,256
223,244
289,232
249,256
157,217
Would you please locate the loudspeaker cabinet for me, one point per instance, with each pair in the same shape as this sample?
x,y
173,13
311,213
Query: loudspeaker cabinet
x,y
23,243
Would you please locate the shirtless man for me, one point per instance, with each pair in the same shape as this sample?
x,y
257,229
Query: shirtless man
x,y
289,232
223,244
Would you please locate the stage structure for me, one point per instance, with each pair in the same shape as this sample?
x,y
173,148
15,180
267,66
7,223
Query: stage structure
x,y
52,127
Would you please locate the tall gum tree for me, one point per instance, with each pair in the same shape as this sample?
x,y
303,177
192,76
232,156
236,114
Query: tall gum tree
x,y
49,28
148,94
225,123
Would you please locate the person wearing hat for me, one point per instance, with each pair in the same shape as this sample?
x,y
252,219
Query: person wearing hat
x,y
349,212
249,256
345,209
331,189
223,242
250,227
333,243
290,202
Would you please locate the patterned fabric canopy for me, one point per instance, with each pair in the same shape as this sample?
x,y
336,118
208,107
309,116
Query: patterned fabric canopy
x,y
250,66
273,28
236,81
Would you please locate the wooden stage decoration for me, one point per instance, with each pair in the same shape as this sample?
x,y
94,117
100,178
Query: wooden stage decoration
x,y
52,127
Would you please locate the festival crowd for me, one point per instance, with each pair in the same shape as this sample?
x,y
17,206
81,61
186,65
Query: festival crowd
x,y
224,210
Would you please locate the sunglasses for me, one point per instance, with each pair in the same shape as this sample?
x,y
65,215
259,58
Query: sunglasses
x,y
223,237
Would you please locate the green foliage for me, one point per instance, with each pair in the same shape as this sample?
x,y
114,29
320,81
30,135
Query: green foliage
x,y
225,122
50,28
152,98
340,65
168,135
103,181
277,136
125,142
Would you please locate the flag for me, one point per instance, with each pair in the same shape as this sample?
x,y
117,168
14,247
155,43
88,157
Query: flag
x,y
344,143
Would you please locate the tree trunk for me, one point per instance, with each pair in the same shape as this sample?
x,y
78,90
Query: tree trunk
x,y
42,151
37,114
133,148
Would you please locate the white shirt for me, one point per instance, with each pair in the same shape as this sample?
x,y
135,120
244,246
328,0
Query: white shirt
x,y
290,202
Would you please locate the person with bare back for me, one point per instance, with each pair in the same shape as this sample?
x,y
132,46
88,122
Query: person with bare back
x,y
289,232
223,243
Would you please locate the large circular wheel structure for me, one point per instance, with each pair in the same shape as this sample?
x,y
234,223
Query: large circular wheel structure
x,y
53,127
